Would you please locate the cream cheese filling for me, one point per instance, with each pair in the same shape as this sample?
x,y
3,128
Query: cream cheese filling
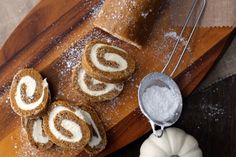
x,y
69,125
96,139
84,87
37,133
30,90
109,57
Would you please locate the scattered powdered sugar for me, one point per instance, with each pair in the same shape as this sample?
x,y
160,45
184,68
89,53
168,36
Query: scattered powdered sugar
x,y
161,103
96,9
7,100
212,111
71,57
24,149
175,36
144,14
4,88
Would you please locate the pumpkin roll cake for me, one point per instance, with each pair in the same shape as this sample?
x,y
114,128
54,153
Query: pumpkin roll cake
x,y
35,133
130,21
98,140
65,126
107,63
92,89
29,93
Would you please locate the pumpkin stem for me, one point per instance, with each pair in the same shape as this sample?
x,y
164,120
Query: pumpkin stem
x,y
174,156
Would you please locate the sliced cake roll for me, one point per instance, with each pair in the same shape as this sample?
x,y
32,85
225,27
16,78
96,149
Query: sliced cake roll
x,y
65,126
107,63
130,21
98,140
35,133
29,93
92,89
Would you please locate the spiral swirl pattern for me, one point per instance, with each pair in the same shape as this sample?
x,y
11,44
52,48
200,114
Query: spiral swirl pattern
x,y
98,139
116,58
107,63
35,133
65,126
29,93
93,89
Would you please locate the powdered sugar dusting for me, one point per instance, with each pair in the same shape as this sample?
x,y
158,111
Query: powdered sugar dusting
x,y
24,149
175,36
71,57
212,111
160,103
94,11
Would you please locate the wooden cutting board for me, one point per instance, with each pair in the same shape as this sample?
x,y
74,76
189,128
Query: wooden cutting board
x,y
51,39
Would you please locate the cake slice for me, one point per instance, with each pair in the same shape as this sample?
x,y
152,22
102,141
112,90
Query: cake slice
x,y
107,63
92,89
29,93
35,133
64,125
130,21
98,140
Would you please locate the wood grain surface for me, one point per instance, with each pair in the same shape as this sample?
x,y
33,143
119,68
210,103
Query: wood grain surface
x,y
57,45
37,20
12,12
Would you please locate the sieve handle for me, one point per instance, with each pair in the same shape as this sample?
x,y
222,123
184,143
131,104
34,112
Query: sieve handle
x,y
181,34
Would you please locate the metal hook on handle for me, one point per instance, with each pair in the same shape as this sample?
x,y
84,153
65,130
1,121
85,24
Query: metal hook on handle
x,y
181,34
154,130
162,132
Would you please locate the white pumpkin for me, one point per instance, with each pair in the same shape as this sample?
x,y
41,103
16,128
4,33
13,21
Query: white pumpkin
x,y
173,143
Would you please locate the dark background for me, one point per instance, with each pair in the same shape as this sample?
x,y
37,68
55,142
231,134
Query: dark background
x,y
208,115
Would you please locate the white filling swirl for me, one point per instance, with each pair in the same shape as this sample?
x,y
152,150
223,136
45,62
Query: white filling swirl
x,y
30,90
38,132
73,127
109,57
69,125
95,140
84,87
